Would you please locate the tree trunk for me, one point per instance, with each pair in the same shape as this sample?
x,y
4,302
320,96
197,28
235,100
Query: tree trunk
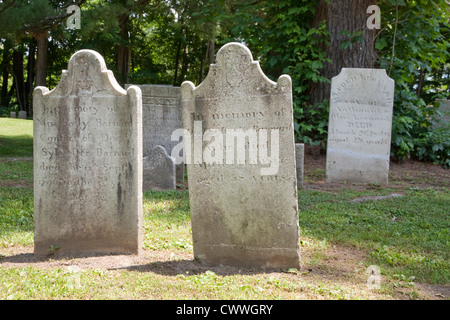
x,y
123,49
184,63
177,62
41,59
4,99
350,16
420,84
209,58
19,79
30,77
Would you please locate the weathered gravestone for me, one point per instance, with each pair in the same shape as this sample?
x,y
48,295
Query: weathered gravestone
x,y
87,162
22,114
12,114
300,159
159,170
161,115
443,119
359,128
240,159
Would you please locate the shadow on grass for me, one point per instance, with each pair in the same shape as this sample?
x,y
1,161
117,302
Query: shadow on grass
x,y
189,267
18,146
186,267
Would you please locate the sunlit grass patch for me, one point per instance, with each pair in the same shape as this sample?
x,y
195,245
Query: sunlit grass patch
x,y
167,221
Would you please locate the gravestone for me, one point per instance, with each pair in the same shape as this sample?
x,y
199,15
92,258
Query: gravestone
x,y
22,114
12,114
87,162
359,128
240,158
443,120
159,170
161,115
299,159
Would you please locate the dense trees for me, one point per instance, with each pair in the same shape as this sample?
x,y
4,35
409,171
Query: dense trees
x,y
169,41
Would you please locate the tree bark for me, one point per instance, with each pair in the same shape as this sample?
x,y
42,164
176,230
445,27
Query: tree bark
x,y
41,59
184,63
123,49
19,79
350,16
4,99
177,62
30,77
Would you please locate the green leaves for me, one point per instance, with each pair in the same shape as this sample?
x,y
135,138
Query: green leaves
x,y
415,50
351,38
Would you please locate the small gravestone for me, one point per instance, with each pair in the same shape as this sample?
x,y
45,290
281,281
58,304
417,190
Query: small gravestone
x,y
161,115
300,159
443,119
22,114
87,162
12,114
240,158
359,128
159,170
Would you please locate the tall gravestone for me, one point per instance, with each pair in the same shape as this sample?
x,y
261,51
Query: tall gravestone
x,y
443,119
240,159
359,128
159,170
161,115
22,114
87,162
300,162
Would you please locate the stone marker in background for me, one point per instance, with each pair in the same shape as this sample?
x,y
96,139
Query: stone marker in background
x,y
22,114
241,164
161,115
87,162
359,128
443,120
159,170
12,114
300,159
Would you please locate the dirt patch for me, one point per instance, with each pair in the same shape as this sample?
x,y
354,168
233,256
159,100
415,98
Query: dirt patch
x,y
408,174
340,267
335,265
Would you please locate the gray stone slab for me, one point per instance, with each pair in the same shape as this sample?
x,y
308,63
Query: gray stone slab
x,y
161,115
359,128
87,162
300,160
22,114
159,170
443,119
241,164
12,114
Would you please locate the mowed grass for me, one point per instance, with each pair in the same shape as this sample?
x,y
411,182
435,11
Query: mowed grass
x,y
407,237
16,138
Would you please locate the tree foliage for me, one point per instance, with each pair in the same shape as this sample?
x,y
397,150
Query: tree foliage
x,y
169,41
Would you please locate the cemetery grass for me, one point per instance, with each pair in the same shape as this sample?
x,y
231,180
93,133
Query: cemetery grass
x,y
344,229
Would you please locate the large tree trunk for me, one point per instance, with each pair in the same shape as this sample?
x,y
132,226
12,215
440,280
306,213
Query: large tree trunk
x,y
184,63
30,77
19,79
123,49
41,59
350,16
177,62
4,99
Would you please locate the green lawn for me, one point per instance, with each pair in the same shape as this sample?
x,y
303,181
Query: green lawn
x,y
406,237
16,138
